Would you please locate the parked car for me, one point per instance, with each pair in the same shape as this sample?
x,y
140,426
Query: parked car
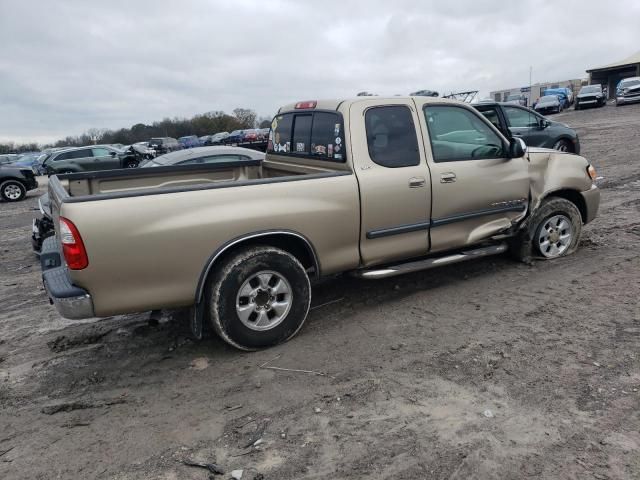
x,y
8,158
189,141
534,129
32,160
250,135
590,96
164,145
549,104
517,100
87,159
564,94
217,138
236,136
204,139
15,182
202,155
416,182
263,134
628,91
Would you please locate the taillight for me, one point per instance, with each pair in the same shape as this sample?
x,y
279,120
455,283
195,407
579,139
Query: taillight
x,y
72,247
592,172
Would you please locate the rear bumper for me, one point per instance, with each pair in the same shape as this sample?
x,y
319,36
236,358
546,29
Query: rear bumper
x,y
71,301
592,201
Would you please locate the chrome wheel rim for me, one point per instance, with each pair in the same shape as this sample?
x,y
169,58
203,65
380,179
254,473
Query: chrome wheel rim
x,y
561,147
264,300
12,192
555,236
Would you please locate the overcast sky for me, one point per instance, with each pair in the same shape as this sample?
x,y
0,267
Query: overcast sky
x,y
67,66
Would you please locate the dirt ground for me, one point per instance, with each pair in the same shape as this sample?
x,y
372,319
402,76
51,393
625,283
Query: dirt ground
x,y
489,369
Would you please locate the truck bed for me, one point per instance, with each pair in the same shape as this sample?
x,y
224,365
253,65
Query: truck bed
x,y
105,184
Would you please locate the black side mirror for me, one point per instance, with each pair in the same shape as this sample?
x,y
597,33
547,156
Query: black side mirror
x,y
544,123
113,154
517,148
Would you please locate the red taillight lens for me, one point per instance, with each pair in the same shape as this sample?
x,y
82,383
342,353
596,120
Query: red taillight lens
x,y
307,104
72,247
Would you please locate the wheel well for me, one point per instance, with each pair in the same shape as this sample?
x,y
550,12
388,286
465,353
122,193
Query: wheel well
x,y
12,179
575,198
572,146
292,243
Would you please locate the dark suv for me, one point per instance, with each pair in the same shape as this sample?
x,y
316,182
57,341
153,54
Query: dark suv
x,y
164,145
533,128
85,159
590,96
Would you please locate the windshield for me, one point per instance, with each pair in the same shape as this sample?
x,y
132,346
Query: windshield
x,y
548,99
513,97
590,89
629,83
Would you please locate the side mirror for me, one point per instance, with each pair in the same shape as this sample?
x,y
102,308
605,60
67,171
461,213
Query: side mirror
x,y
113,154
544,123
517,148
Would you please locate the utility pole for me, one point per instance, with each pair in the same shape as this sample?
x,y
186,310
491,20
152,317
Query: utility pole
x,y
530,87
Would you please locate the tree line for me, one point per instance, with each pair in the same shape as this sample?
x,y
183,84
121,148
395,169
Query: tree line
x,y
202,124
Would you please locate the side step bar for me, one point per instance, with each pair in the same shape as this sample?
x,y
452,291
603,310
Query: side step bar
x,y
392,271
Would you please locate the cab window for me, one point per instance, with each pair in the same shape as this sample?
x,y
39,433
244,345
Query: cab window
x,y
317,135
458,134
101,152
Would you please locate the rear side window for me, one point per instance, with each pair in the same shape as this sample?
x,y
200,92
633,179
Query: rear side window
x,y
317,135
101,152
391,136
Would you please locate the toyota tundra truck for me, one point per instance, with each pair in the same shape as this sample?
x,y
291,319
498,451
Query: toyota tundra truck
x,y
372,186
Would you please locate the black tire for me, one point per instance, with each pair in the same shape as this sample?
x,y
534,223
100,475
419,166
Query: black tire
x,y
223,293
577,107
563,145
12,191
526,245
131,164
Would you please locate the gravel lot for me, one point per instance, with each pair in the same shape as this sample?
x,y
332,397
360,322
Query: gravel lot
x,y
489,369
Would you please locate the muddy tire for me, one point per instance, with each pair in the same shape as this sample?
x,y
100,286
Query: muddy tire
x,y
563,145
258,298
12,191
552,232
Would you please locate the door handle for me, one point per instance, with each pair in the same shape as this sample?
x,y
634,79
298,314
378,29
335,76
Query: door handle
x,y
448,177
517,134
417,182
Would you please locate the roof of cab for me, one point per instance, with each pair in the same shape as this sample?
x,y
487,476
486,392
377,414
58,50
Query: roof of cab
x,y
334,104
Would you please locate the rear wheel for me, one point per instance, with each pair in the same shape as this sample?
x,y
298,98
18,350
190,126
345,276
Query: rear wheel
x,y
12,191
258,298
131,164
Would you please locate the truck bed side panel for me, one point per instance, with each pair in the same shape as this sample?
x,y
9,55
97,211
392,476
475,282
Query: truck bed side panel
x,y
148,251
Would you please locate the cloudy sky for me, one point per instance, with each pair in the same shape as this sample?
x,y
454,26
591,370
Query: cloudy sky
x,y
67,66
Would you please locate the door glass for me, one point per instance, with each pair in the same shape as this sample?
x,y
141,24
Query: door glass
x,y
101,152
491,114
80,154
391,136
520,118
458,134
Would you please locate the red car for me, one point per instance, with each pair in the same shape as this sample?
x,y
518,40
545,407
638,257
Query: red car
x,y
250,136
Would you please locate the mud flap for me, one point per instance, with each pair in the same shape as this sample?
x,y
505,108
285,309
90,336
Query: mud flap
x,y
196,321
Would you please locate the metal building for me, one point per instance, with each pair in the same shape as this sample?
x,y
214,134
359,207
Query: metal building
x,y
533,93
609,75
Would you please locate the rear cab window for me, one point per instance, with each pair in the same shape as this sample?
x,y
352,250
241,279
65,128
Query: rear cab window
x,y
308,134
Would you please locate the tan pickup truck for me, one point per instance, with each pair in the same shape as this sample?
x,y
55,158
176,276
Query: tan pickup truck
x,y
371,186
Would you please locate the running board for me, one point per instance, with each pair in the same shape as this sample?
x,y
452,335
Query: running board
x,y
393,270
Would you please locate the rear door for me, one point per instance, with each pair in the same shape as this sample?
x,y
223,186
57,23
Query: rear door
x,y
394,181
477,190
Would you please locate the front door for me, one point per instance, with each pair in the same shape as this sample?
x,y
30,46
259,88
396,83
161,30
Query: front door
x,y
525,124
477,190
105,159
393,179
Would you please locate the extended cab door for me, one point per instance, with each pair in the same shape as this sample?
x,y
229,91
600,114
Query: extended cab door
x,y
393,177
477,190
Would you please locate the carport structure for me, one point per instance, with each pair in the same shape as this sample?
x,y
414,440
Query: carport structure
x,y
609,75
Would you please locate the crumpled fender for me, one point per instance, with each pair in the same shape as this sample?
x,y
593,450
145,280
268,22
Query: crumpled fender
x,y
551,171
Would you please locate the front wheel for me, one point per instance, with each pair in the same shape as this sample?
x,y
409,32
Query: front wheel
x,y
131,164
12,191
258,298
562,146
553,231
